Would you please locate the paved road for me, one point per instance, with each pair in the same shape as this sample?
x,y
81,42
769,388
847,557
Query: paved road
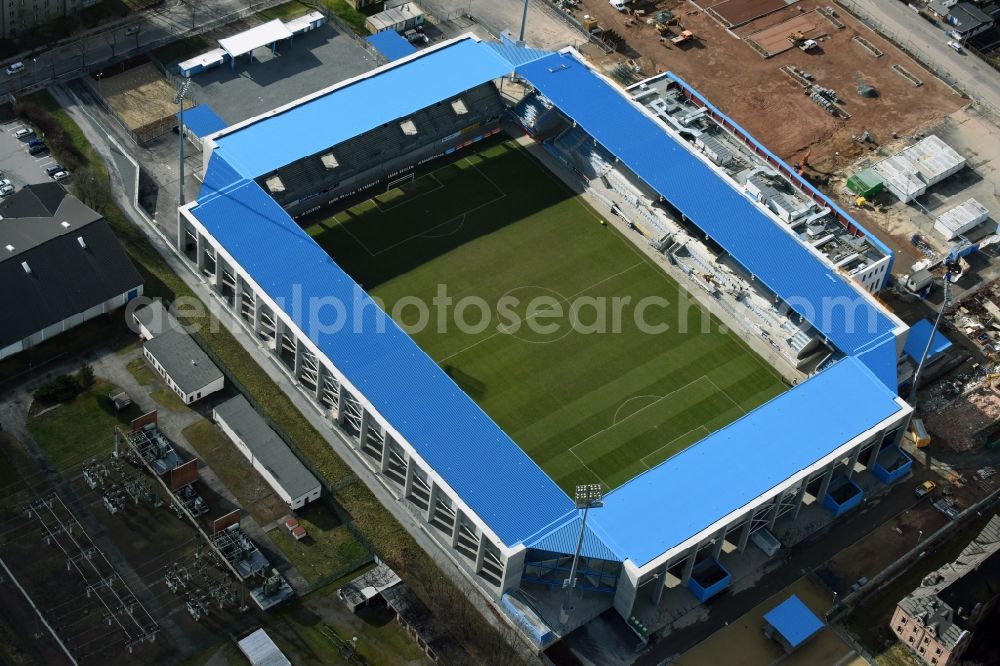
x,y
929,43
94,48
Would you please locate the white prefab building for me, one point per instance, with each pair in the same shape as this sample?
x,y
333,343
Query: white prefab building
x,y
260,650
268,454
405,16
153,320
185,368
910,172
960,219
60,266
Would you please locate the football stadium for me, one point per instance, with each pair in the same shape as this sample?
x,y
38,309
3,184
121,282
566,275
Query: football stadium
x,y
415,248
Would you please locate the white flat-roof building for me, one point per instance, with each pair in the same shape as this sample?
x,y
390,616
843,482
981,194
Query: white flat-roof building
x,y
960,219
268,454
183,365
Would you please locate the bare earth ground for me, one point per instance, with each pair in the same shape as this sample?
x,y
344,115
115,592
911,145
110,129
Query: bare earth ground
x,y
960,422
140,95
765,101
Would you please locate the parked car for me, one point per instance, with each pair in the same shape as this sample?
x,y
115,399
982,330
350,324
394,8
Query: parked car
x,y
955,45
35,141
131,30
14,68
6,190
52,169
24,133
37,148
60,175
925,488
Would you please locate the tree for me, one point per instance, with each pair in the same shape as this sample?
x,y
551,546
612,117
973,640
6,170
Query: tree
x,y
85,377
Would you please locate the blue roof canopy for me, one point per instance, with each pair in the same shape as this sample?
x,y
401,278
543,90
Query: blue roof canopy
x,y
483,465
391,44
794,621
916,341
814,290
202,120
372,100
660,509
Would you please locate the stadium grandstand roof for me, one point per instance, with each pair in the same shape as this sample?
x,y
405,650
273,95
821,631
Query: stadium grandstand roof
x,y
201,120
774,256
450,431
297,130
660,509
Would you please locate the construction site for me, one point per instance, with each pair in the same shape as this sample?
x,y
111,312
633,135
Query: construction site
x,y
822,75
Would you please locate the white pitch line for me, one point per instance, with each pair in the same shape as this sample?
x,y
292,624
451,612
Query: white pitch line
x,y
639,411
650,455
587,467
723,392
502,330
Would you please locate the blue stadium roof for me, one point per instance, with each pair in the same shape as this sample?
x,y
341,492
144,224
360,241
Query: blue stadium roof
x,y
776,258
916,341
391,44
660,509
491,474
376,98
202,120
563,539
794,621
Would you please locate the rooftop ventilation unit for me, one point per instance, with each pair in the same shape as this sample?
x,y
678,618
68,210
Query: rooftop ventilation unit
x,y
10,248
329,161
83,243
64,224
275,184
26,267
459,107
408,127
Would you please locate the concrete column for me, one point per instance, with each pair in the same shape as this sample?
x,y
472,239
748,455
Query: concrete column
x,y
853,460
297,362
456,529
320,371
366,424
825,485
338,410
256,313
411,466
775,510
182,229
238,298
219,271
431,501
660,584
279,328
745,533
689,566
200,253
800,498
385,453
480,553
720,538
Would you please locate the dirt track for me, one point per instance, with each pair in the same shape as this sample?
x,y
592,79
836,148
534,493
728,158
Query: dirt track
x,y
759,96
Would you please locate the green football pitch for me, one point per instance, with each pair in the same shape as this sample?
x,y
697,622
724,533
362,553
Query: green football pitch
x,y
597,394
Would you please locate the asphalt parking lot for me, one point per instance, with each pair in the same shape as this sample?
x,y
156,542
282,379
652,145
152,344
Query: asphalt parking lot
x,y
16,164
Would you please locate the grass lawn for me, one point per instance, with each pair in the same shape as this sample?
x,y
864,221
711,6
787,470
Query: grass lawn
x,y
328,551
167,399
141,371
76,431
348,14
285,12
599,400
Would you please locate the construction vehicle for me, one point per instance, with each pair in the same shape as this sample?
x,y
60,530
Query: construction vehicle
x,y
925,488
683,36
800,167
799,39
860,202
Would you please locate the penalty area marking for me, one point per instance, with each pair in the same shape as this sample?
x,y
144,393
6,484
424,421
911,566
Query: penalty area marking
x,y
670,443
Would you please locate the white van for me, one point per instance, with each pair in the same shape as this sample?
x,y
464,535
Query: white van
x,y
14,68
619,4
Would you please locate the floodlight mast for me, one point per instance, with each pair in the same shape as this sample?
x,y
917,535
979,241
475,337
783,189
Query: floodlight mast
x,y
930,340
182,92
588,496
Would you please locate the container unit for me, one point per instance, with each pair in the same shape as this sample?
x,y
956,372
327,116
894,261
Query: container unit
x,y
865,183
960,219
900,176
934,159
400,18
